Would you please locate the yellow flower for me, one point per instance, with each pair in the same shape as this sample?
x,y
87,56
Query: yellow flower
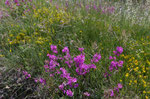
x,y
133,58
127,74
142,39
130,84
130,60
1,55
39,10
59,42
135,81
144,85
122,55
146,97
148,62
144,91
145,77
40,54
11,35
139,72
18,37
126,56
136,62
140,76
144,71
130,81
144,81
10,43
80,31
50,43
147,68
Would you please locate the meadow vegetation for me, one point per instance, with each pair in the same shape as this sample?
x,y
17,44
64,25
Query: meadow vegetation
x,y
87,49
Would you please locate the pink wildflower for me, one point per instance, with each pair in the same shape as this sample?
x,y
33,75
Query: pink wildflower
x,y
86,94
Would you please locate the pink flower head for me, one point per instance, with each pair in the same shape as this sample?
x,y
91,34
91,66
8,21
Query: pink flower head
x,y
120,63
65,50
54,48
96,58
119,49
117,89
18,4
113,65
76,85
95,7
69,93
61,87
114,58
16,1
71,80
112,93
46,66
57,72
87,7
25,72
53,57
35,80
79,59
29,75
106,74
7,2
120,86
51,75
110,57
92,66
42,81
86,94
65,73
81,49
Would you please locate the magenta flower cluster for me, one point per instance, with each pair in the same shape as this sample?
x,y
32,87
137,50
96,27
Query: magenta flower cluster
x,y
118,51
27,75
116,89
17,2
40,80
58,65
116,64
81,67
24,4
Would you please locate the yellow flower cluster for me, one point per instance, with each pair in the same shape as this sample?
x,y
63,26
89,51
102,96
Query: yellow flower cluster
x,y
137,66
19,38
23,38
52,15
137,71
